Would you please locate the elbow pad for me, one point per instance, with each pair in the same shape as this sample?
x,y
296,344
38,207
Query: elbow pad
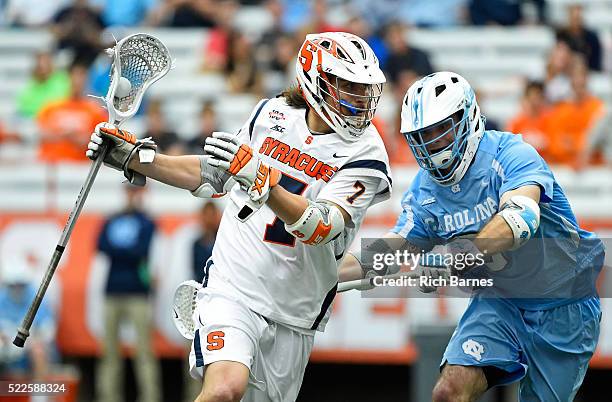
x,y
522,214
215,182
320,223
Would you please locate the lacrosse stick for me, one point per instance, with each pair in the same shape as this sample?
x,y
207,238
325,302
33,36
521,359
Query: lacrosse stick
x,y
368,283
183,305
138,61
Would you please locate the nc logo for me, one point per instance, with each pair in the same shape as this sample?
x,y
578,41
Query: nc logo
x,y
473,348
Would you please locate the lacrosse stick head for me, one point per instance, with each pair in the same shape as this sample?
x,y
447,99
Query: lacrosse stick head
x,y
141,59
183,306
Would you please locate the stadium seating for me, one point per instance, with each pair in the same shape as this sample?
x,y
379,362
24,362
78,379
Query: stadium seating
x,y
495,60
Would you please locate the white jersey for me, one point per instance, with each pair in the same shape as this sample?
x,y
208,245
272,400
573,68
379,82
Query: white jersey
x,y
278,276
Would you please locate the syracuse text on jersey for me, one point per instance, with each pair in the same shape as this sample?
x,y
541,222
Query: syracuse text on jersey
x,y
297,159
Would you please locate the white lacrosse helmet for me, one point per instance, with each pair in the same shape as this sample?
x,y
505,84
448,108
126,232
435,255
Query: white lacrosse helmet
x,y
438,108
330,67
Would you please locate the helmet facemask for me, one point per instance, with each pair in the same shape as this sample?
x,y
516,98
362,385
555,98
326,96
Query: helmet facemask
x,y
341,81
439,147
353,104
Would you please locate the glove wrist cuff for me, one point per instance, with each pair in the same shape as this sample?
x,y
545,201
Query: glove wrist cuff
x,y
145,149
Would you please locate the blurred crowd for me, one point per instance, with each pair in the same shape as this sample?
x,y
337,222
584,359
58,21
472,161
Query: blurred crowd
x,y
558,116
124,242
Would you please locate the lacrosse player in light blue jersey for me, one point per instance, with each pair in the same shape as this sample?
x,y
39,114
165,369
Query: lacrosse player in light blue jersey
x,y
539,323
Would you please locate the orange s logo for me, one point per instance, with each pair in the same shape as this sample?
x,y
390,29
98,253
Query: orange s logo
x,y
215,340
309,139
306,56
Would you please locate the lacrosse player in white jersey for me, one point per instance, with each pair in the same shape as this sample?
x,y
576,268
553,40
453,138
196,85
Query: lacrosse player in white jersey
x,y
307,165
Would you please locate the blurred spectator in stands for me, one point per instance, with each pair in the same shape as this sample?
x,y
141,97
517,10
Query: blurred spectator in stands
x,y
185,13
207,124
380,13
17,290
267,41
99,75
283,56
436,14
403,57
404,66
359,26
275,51
599,142
66,125
127,13
241,71
533,119
209,219
167,141
503,12
422,13
581,39
295,15
267,53
45,85
490,123
126,239
557,86
217,46
572,123
319,20
31,13
397,147
8,136
279,71
78,28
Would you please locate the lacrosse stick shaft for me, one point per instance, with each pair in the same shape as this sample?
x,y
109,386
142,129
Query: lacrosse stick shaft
x,y
368,283
24,330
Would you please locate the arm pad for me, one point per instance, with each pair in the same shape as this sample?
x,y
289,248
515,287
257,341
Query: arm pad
x,y
320,223
215,182
522,214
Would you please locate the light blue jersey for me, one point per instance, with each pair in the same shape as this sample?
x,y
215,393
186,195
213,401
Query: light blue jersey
x,y
543,273
544,329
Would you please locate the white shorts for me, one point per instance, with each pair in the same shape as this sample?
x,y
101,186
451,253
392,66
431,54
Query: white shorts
x,y
227,330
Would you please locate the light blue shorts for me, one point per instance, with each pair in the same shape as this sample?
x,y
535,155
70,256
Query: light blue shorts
x,y
547,350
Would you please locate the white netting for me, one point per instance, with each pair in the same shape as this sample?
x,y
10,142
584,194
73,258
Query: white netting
x,y
184,305
142,59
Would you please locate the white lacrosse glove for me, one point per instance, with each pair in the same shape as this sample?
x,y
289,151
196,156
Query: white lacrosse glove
x,y
123,145
430,268
215,182
238,159
467,259
460,258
